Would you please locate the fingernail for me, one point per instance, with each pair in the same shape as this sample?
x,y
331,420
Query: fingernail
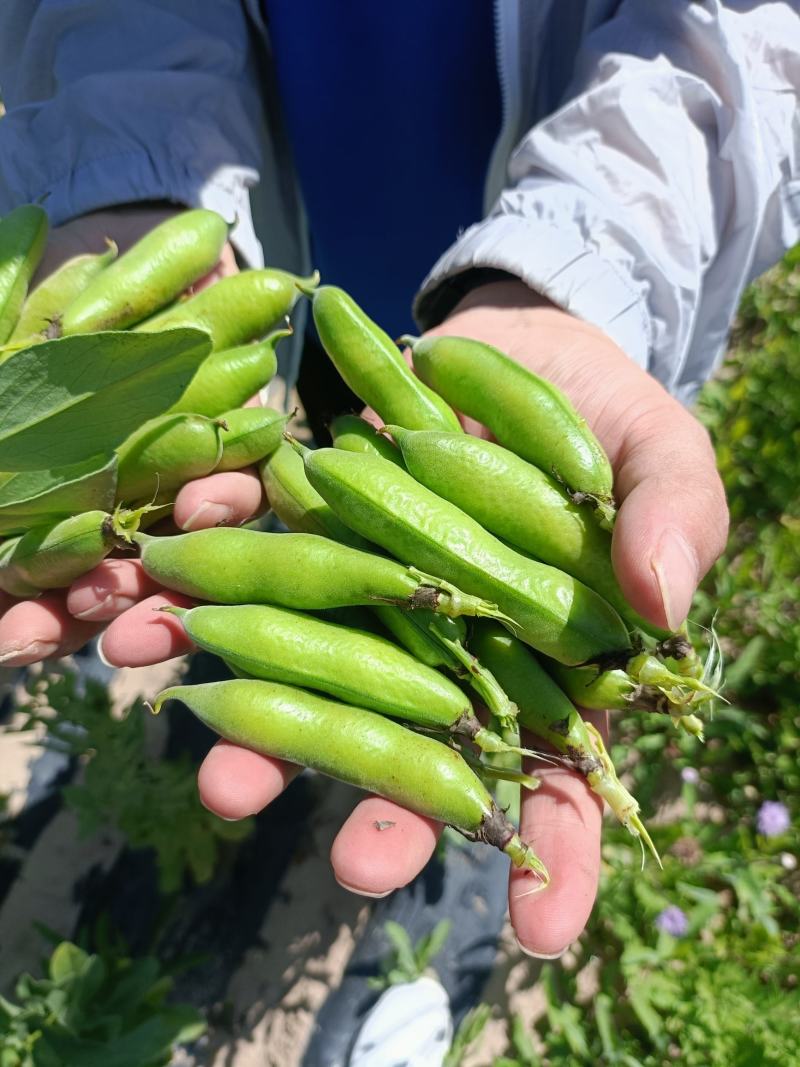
x,y
207,515
541,955
21,657
113,604
102,656
675,569
363,892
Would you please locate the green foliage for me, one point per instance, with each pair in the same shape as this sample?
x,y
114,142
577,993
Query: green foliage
x,y
752,411
104,1010
724,993
154,803
524,1053
469,1031
407,962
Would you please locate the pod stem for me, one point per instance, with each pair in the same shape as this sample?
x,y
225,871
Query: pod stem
x,y
505,774
606,514
523,856
407,340
452,602
173,693
298,446
495,829
483,682
488,741
607,785
308,286
680,689
173,609
280,333
690,724
125,521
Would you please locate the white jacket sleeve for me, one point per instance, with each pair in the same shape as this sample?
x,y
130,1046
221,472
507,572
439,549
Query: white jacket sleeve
x,y
114,101
668,179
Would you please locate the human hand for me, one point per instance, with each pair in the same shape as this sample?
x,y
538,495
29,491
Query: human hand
x,y
671,525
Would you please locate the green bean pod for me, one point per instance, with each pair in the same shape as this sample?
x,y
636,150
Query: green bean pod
x,y
237,309
523,411
148,276
164,453
54,555
230,565
434,639
11,581
551,611
355,434
615,690
520,504
230,377
352,665
297,504
411,631
356,746
23,235
547,712
42,311
249,434
372,365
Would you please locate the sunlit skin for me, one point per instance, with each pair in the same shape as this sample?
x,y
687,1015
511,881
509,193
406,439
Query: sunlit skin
x,y
672,525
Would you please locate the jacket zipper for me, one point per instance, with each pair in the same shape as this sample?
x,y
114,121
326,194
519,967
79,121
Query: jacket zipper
x,y
506,36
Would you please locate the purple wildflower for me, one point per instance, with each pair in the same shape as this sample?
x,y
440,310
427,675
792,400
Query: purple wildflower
x,y
773,818
672,920
690,775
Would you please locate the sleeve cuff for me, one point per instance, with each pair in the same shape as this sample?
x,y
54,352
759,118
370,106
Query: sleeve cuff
x,y
553,262
130,177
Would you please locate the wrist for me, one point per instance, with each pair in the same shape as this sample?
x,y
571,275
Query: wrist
x,y
531,329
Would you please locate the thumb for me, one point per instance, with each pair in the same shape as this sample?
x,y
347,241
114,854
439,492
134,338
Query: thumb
x,y
673,519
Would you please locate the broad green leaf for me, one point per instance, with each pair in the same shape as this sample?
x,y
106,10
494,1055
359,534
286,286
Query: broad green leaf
x,y
28,498
147,1044
66,400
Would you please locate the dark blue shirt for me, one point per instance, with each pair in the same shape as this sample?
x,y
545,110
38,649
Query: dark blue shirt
x,y
392,109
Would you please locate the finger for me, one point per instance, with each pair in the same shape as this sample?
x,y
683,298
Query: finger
x,y
673,520
32,630
382,847
113,586
234,782
144,635
561,821
227,499
225,267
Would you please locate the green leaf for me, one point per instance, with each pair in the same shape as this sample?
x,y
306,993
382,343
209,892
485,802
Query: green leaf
x,y
28,498
472,1025
401,943
66,400
432,944
522,1044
